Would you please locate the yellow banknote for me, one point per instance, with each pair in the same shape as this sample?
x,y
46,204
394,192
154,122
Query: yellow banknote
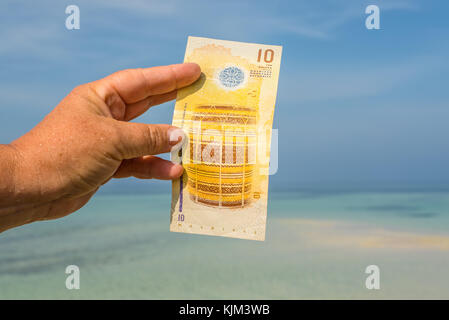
x,y
227,117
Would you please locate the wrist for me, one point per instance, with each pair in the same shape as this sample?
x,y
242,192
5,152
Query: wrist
x,y
18,201
8,173
20,178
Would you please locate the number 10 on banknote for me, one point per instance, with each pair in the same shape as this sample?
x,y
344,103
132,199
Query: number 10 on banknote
x,y
227,117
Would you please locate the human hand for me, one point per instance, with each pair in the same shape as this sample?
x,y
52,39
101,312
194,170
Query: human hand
x,y
87,140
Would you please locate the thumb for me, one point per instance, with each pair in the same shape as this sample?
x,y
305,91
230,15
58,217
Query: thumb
x,y
140,139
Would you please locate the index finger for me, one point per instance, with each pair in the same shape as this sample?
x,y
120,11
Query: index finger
x,y
133,85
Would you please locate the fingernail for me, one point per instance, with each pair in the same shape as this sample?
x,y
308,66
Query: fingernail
x,y
176,138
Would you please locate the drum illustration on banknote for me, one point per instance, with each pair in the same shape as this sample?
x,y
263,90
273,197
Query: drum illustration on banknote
x,y
222,155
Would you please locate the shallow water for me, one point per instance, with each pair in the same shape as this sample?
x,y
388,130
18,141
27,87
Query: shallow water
x,y
318,246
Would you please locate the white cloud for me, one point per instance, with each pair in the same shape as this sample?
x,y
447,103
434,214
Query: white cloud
x,y
36,40
39,32
145,7
353,81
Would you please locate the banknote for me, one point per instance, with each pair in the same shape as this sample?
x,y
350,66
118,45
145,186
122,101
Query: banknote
x,y
227,118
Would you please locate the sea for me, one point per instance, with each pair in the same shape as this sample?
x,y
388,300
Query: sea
x,y
319,245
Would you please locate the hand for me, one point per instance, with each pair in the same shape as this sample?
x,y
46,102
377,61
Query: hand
x,y
87,140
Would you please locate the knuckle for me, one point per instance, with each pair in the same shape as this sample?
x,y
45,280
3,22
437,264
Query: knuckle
x,y
174,77
81,90
123,75
155,138
116,139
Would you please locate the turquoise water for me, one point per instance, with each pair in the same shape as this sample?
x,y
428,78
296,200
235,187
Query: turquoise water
x,y
318,246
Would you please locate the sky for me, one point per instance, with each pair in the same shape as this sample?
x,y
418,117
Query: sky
x,y
354,106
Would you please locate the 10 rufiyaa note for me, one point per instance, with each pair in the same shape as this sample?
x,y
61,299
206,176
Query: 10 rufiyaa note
x,y
227,118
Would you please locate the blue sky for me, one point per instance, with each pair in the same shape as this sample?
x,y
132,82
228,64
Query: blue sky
x,y
355,106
